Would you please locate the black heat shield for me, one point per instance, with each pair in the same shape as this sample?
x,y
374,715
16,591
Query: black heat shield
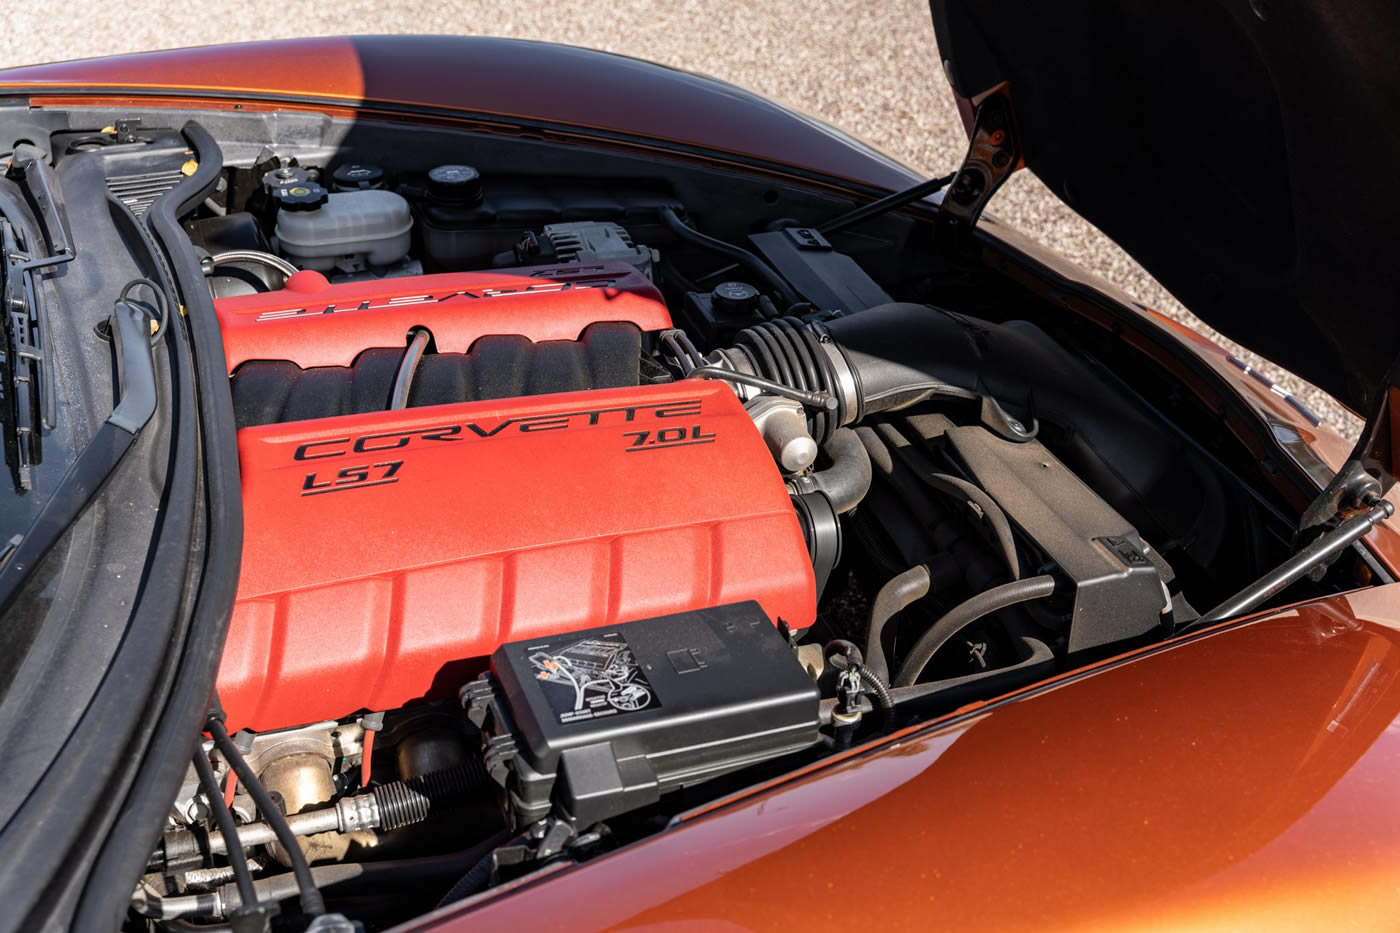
x,y
1242,152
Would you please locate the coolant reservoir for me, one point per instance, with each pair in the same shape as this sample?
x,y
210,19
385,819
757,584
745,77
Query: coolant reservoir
x,y
349,231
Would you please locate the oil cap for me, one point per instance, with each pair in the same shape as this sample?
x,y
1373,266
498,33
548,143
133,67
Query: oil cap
x,y
300,196
357,176
459,184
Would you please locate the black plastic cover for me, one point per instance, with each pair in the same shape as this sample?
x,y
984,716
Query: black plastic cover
x,y
605,720
1119,591
831,281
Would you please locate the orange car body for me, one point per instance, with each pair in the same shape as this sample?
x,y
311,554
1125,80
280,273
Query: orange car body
x,y
1239,778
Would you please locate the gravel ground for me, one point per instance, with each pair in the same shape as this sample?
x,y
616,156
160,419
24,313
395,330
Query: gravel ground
x,y
869,68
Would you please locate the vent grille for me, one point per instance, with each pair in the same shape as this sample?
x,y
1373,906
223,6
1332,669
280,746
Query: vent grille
x,y
139,192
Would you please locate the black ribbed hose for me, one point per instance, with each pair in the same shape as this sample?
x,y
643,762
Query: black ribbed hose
x,y
855,663
789,352
872,684
963,615
403,803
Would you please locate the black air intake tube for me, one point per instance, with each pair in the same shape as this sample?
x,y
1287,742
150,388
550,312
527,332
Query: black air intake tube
x,y
898,355
794,354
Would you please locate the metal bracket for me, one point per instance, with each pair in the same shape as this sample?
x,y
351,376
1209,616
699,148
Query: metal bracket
x,y
1000,422
1368,473
993,153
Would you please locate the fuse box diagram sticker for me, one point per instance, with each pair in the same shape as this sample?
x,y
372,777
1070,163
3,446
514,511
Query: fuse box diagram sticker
x,y
592,679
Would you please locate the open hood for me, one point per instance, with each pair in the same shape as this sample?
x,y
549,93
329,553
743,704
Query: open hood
x,y
1243,152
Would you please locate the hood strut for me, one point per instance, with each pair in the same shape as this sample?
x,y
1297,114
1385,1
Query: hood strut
x,y
1320,552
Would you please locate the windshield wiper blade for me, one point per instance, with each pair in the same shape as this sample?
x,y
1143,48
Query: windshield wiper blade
x,y
23,367
27,392
136,375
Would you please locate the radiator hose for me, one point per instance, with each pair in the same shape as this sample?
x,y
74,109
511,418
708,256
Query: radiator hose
x,y
963,615
895,596
846,481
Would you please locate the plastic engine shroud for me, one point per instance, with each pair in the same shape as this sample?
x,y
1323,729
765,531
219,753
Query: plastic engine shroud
x,y
387,554
313,323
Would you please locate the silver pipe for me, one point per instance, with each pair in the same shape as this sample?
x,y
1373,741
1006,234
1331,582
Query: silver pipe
x,y
254,255
149,904
204,878
348,815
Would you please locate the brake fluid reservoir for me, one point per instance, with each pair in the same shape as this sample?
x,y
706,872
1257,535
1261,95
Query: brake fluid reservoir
x,y
348,230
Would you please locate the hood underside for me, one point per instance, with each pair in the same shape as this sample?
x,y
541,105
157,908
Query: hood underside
x,y
1239,151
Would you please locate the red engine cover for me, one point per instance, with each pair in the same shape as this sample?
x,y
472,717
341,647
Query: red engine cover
x,y
384,552
312,323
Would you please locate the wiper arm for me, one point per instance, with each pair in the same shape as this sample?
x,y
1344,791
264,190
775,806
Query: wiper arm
x,y
26,376
23,367
136,375
30,168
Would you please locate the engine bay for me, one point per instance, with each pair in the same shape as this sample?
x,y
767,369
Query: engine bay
x,y
577,498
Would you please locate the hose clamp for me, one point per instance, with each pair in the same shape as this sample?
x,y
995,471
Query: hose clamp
x,y
845,376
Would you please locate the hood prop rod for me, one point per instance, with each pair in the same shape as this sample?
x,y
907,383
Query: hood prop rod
x,y
1322,548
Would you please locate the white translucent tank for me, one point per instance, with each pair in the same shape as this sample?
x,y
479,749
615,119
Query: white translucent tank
x,y
352,230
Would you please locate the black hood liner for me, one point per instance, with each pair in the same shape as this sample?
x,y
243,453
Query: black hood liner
x,y
1245,153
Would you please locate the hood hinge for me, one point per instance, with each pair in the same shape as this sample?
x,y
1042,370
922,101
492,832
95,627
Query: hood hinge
x,y
993,153
1368,473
